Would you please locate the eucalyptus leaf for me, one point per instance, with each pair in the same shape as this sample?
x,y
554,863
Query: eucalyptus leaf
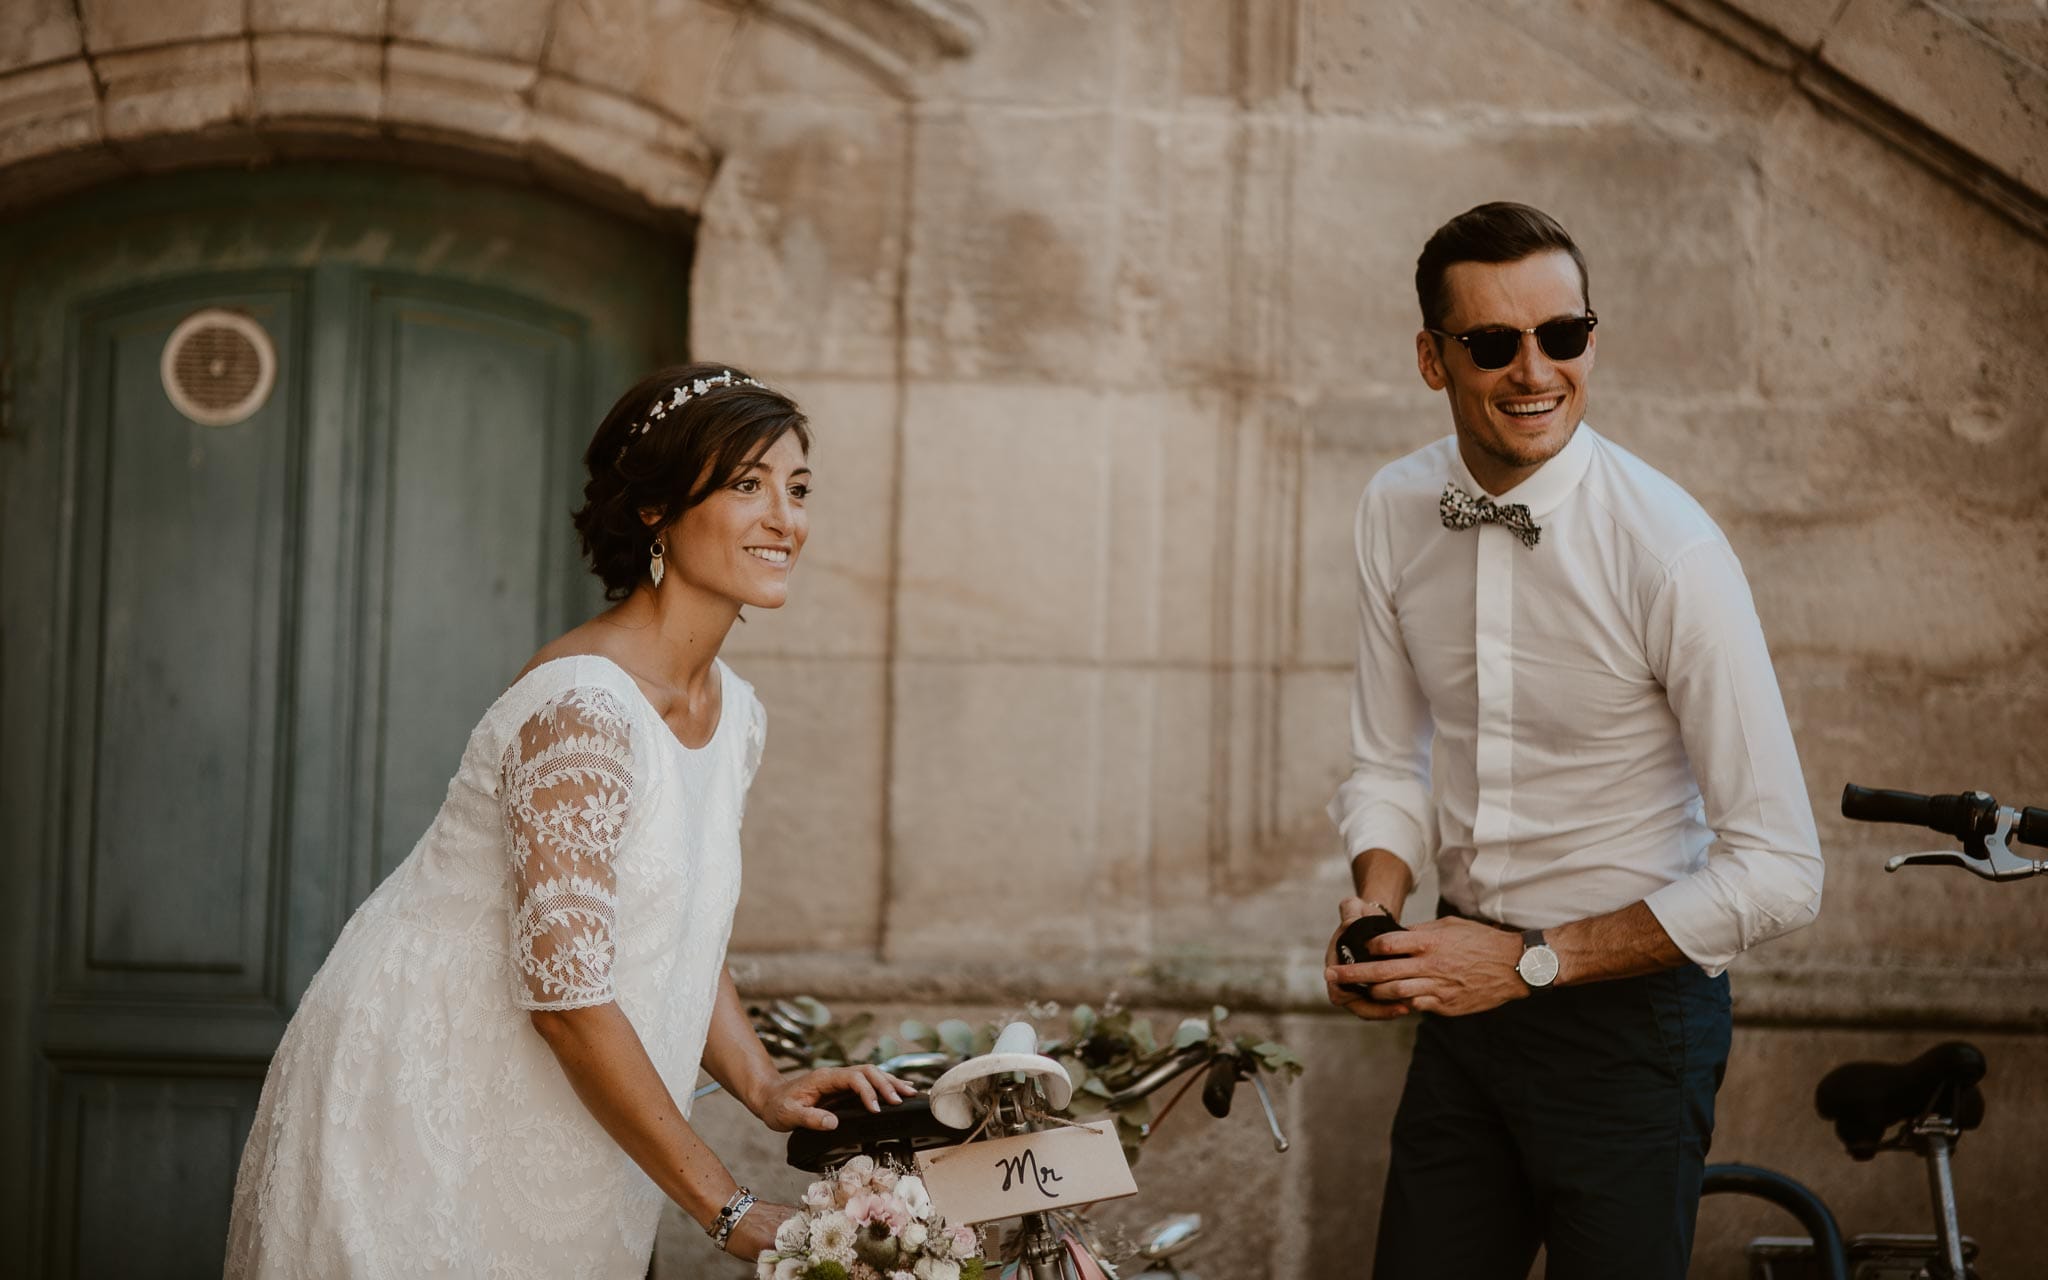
x,y
957,1038
1191,1031
812,1010
917,1033
1082,1021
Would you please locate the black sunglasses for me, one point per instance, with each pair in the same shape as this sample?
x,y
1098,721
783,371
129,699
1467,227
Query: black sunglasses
x,y
1496,346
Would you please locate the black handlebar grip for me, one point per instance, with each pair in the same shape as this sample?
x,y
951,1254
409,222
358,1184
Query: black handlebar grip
x,y
2033,828
1946,814
1221,1084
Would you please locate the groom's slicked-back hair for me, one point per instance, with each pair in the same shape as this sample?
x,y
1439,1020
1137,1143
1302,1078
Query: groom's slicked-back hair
x,y
1498,232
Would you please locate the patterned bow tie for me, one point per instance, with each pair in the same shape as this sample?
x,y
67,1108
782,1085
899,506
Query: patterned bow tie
x,y
1461,510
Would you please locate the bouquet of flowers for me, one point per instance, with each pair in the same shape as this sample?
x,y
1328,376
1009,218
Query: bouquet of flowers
x,y
871,1222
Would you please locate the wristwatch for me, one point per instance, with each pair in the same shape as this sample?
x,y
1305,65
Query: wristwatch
x,y
1538,965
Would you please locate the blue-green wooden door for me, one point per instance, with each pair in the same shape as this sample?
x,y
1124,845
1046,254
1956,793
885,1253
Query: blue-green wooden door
x,y
238,663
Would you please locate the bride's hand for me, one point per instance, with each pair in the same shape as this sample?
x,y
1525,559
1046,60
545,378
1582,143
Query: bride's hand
x,y
756,1233
793,1104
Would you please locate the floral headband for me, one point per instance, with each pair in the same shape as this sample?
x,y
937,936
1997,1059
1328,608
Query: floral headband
x,y
682,396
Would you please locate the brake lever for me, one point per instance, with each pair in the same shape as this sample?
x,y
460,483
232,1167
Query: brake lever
x,y
1280,1142
1998,861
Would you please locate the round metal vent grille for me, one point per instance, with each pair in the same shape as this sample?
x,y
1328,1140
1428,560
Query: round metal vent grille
x,y
218,367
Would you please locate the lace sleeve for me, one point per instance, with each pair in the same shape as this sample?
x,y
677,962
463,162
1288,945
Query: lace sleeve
x,y
565,784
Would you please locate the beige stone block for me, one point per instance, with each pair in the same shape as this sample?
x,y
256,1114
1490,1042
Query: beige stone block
x,y
112,24
1184,760
2017,26
322,17
665,53
1938,67
1399,59
323,77
1803,22
1064,54
839,592
1939,586
1314,756
1344,1104
439,92
1168,474
775,60
814,823
1349,440
1010,273
1667,224
38,32
47,111
595,134
995,798
1886,724
799,253
514,30
1004,549
174,89
1833,461
1881,284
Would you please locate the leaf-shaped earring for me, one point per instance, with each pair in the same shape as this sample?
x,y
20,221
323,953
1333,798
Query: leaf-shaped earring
x,y
654,565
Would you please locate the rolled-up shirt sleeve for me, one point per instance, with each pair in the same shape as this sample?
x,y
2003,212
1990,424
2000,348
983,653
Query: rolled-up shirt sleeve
x,y
1762,876
1385,802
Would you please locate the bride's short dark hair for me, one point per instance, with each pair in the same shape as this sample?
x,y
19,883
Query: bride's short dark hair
x,y
675,438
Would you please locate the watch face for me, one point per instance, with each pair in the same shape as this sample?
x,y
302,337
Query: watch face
x,y
1538,966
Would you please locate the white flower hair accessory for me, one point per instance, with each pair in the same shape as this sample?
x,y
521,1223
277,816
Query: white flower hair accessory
x,y
681,395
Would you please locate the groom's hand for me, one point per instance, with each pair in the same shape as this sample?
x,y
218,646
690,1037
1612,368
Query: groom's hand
x,y
1447,966
1334,974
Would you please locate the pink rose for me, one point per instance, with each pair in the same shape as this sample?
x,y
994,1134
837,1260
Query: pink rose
x,y
964,1241
870,1207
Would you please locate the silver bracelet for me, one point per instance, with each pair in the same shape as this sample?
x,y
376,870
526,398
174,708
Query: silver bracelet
x,y
721,1227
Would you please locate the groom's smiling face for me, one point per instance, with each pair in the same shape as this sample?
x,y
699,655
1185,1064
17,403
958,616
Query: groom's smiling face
x,y
1509,421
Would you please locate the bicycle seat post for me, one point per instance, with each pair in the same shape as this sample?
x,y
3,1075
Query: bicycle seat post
x,y
1935,1136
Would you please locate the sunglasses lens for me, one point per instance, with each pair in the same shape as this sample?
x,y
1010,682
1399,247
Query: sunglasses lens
x,y
1493,348
1564,339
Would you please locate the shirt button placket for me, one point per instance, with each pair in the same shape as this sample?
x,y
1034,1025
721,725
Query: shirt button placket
x,y
1493,616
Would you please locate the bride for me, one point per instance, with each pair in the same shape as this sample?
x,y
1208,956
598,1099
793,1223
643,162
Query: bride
x,y
483,1078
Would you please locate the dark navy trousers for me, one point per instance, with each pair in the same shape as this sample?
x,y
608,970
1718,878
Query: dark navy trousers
x,y
1577,1119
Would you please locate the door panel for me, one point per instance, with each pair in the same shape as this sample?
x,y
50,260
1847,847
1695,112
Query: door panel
x,y
469,396
184,532
238,664
149,1166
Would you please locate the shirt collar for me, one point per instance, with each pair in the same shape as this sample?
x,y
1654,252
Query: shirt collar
x,y
1553,482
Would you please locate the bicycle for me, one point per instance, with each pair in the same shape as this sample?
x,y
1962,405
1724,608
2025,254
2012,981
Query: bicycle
x,y
1923,1106
1059,1244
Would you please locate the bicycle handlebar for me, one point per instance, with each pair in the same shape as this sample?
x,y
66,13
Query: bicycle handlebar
x,y
1970,815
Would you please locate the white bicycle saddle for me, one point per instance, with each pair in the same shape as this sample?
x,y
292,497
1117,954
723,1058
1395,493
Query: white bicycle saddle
x,y
959,1095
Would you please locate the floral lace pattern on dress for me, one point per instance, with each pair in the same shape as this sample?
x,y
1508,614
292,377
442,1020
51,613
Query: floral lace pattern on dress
x,y
565,785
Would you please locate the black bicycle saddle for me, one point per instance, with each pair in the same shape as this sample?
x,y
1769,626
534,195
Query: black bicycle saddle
x,y
901,1127
1865,1099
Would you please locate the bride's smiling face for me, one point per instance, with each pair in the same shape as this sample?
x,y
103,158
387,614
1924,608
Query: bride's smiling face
x,y
742,541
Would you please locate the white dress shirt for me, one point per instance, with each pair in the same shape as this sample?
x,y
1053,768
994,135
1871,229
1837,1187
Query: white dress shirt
x,y
1580,725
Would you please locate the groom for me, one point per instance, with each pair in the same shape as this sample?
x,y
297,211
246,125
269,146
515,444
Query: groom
x,y
1564,700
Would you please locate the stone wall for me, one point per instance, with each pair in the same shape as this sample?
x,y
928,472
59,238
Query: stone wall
x,y
1102,309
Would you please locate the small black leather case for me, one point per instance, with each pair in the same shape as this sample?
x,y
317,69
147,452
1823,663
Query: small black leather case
x,y
1351,944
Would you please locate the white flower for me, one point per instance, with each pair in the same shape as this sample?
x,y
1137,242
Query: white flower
x,y
937,1269
793,1234
832,1237
791,1269
764,1266
857,1172
914,1235
819,1195
910,1190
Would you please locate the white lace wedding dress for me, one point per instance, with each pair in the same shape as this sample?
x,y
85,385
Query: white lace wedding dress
x,y
413,1122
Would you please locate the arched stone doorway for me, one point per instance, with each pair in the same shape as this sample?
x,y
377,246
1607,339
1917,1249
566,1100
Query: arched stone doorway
x,y
244,654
